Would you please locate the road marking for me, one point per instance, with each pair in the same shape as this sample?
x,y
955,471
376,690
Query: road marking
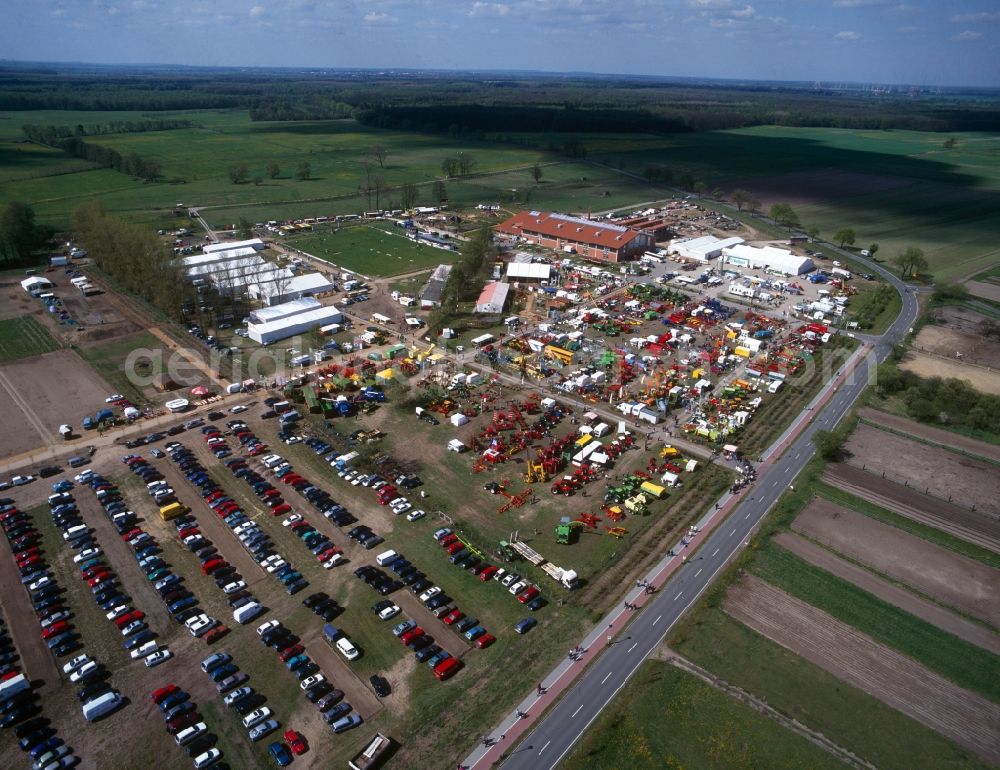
x,y
748,515
715,552
775,483
607,677
698,572
657,619
544,747
678,596
733,532
577,711
798,455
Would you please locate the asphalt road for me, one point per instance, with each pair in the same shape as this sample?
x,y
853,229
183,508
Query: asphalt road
x,y
544,745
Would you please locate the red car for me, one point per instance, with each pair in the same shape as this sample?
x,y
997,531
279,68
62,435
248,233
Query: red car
x,y
281,509
448,540
487,573
528,595
54,629
485,641
214,495
181,721
33,551
128,617
188,531
412,634
94,571
131,533
215,634
258,450
28,561
327,553
212,565
296,742
158,695
104,577
291,652
453,617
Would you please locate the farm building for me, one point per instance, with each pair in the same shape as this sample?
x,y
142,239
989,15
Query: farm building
x,y
307,285
254,243
702,249
216,257
290,318
528,271
592,240
493,297
430,297
767,257
206,269
36,282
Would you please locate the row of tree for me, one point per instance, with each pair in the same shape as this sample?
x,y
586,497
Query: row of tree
x,y
53,135
240,173
20,234
468,273
147,169
132,255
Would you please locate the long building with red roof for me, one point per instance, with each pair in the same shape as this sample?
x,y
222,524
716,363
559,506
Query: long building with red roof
x,y
598,241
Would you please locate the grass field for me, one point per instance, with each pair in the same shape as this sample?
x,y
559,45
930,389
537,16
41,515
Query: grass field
x,y
667,718
108,359
372,250
877,733
24,337
965,664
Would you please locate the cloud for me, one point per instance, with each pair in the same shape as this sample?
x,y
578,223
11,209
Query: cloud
x,y
746,12
857,3
258,10
847,36
489,9
982,16
967,36
377,17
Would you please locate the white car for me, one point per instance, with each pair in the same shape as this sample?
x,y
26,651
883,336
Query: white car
x,y
237,694
275,565
84,670
231,588
333,561
350,475
389,612
202,627
256,717
238,408
210,757
400,506
87,553
40,583
267,626
430,593
118,611
55,618
113,397
73,665
291,520
414,515
143,650
133,628
20,481
309,681
156,658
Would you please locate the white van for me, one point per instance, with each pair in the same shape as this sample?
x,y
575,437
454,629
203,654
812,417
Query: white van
x,y
103,704
247,612
385,557
74,533
188,734
347,649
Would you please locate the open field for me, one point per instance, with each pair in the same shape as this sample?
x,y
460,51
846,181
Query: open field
x,y
946,577
889,592
372,250
930,433
806,692
855,658
24,337
927,365
970,482
974,527
108,359
47,401
667,718
966,665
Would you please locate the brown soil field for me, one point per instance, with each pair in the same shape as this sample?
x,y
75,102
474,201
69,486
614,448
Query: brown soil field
x,y
926,365
43,392
804,187
960,346
889,592
951,579
973,526
967,719
983,289
930,433
938,472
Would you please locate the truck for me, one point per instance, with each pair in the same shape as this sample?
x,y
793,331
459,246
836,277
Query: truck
x,y
11,687
567,578
373,755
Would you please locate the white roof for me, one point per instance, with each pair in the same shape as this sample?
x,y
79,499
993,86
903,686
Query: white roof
x,y
247,264
35,281
309,282
255,243
319,316
704,244
771,256
528,270
284,310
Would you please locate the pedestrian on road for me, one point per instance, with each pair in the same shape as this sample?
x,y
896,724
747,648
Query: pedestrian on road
x,y
609,642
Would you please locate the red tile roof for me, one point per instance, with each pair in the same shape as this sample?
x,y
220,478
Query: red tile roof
x,y
569,228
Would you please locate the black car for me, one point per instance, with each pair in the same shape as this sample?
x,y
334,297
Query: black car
x,y
380,685
317,691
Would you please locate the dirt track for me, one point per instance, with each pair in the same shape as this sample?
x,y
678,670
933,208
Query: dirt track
x,y
947,577
907,501
889,592
945,475
937,435
885,674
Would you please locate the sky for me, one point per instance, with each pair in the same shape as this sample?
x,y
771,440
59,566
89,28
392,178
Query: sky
x,y
921,42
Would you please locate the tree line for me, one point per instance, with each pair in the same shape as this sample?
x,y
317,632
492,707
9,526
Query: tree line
x,y
132,255
52,135
467,276
20,235
146,169
938,400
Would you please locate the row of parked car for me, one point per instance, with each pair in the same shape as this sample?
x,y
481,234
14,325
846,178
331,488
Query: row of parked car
x,y
179,601
36,736
317,689
182,720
